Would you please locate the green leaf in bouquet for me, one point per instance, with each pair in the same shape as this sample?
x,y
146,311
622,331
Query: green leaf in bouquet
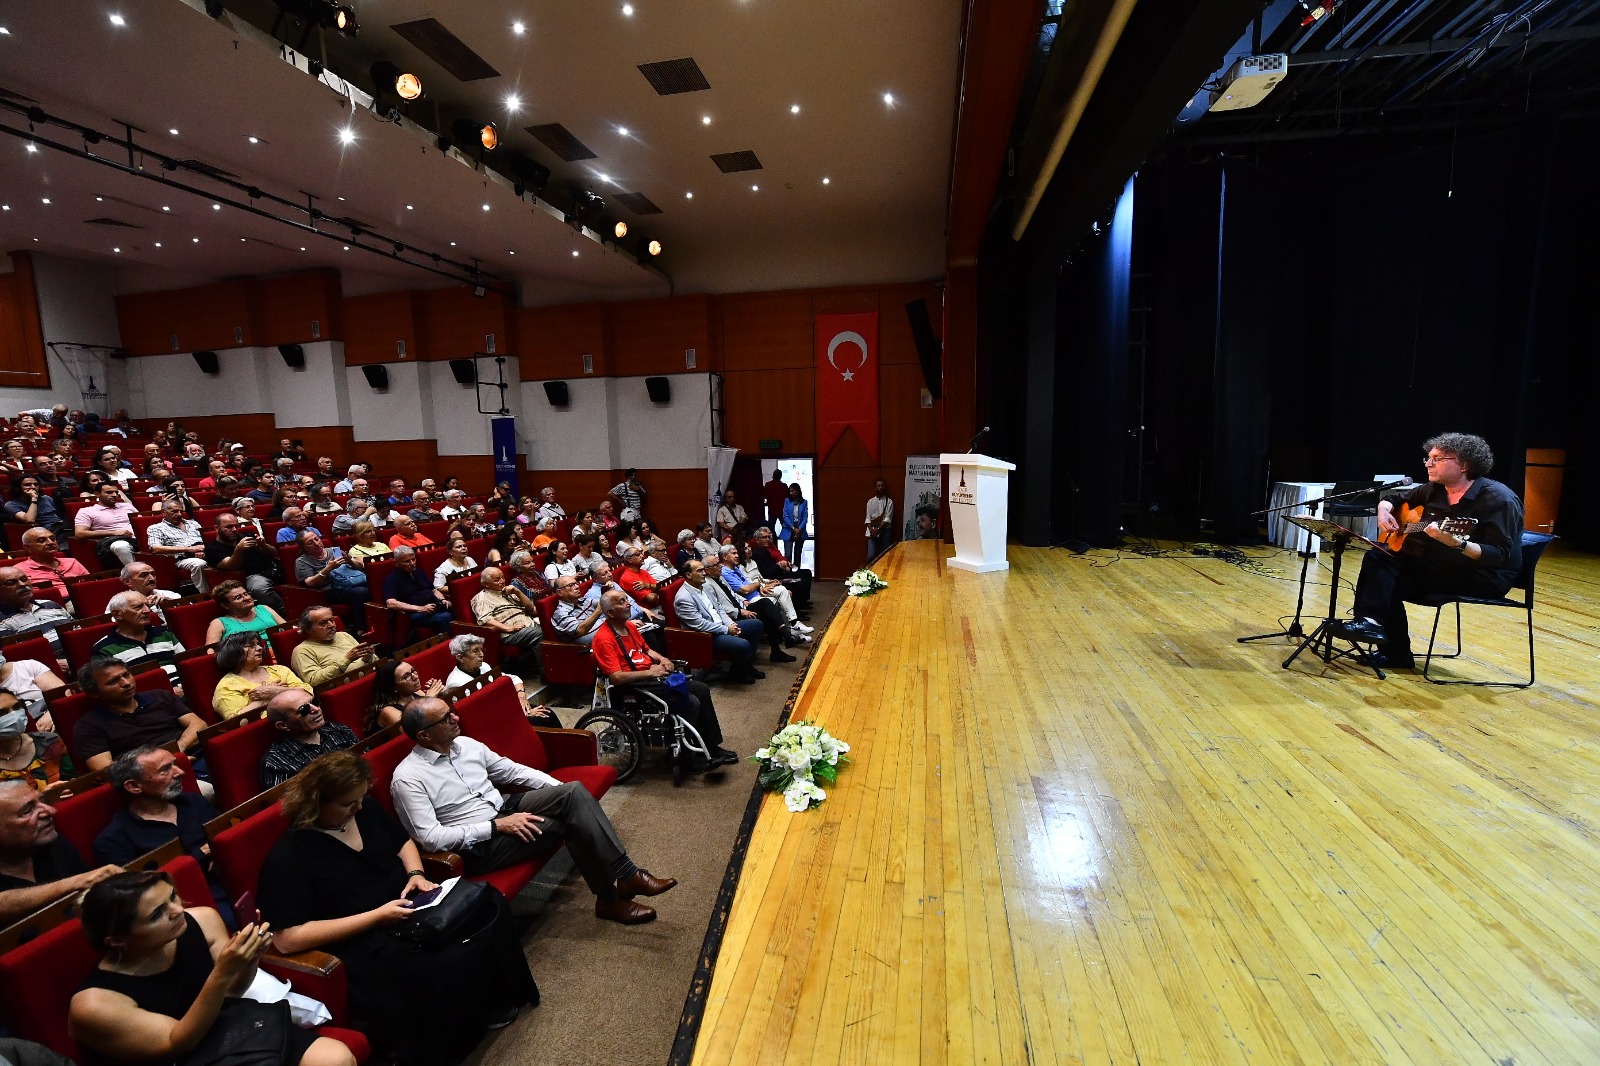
x,y
776,778
825,772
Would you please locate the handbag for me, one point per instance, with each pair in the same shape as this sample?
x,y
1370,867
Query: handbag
x,y
347,578
461,914
245,1033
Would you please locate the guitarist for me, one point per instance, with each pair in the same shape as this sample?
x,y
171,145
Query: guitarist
x,y
1483,562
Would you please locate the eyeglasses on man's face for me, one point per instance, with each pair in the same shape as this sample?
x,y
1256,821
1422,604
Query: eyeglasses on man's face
x,y
1435,460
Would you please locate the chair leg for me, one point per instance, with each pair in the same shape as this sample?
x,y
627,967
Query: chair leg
x,y
1477,684
1427,660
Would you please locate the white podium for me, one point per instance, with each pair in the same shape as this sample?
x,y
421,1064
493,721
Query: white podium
x,y
978,499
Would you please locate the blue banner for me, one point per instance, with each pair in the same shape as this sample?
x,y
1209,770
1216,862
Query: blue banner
x,y
503,432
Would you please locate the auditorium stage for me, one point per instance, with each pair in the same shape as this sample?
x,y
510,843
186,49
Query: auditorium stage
x,y
1084,825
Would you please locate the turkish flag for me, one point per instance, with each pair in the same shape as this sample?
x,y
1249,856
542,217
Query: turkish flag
x,y
847,379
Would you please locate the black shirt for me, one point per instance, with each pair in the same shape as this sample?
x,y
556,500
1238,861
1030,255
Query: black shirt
x,y
52,862
154,722
288,756
1498,532
128,836
254,561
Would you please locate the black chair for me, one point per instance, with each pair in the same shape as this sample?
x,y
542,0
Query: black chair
x,y
1533,546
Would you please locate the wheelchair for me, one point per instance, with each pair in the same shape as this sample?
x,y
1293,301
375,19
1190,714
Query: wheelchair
x,y
626,720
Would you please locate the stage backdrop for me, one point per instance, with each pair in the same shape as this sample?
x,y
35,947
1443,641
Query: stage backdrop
x,y
922,487
847,380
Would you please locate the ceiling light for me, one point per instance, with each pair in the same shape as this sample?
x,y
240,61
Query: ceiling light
x,y
118,20
466,130
253,140
194,240
46,199
486,207
794,109
164,207
341,199
4,32
513,102
347,135
5,207
510,252
216,207
173,131
99,199
622,131
302,247
888,98
755,188
627,9
410,208
518,28
33,149
116,249
158,244
620,229
688,196
574,251
391,79
654,247
827,181
705,120
452,244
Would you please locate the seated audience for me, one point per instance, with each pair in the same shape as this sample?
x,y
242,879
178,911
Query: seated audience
x,y
752,607
322,501
123,718
306,735
395,684
774,566
240,613
701,608
21,614
507,610
326,651
586,524
731,517
140,577
467,650
179,536
560,559
108,461
406,535
109,523
656,565
367,545
422,508
139,640
345,525
340,579
411,594
633,580
456,562
627,539
15,462
576,616
605,517
170,980
455,503
397,492
351,475
248,681
338,882
445,794
37,864
589,554
548,507
36,756
156,810
247,555
507,541
30,682
250,525
529,571
32,505
705,540
484,521
295,521
768,598
45,565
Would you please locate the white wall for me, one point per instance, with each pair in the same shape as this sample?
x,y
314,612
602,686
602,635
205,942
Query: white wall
x,y
76,305
248,381
396,413
458,427
610,424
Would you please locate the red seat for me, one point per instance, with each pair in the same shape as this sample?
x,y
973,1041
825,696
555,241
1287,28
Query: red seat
x,y
73,704
142,524
80,818
564,662
165,567
493,715
198,671
431,658
188,621
383,759
234,756
346,702
78,638
31,647
461,589
82,549
90,594
385,626
297,599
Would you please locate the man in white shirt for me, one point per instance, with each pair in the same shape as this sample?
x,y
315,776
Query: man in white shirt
x,y
444,792
880,519
548,507
731,517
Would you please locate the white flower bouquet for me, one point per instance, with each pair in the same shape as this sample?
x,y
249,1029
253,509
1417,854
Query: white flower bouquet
x,y
796,758
864,583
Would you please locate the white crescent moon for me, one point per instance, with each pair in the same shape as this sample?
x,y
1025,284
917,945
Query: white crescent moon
x,y
847,337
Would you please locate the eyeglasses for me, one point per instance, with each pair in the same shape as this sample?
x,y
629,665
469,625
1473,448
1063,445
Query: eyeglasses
x,y
306,710
1429,460
445,717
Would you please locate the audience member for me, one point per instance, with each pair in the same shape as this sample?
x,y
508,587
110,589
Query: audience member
x,y
123,718
733,636
325,651
348,484
21,614
455,504
31,681
727,584
339,578
445,794
108,461
605,517
507,610
139,640
322,501
411,594
456,562
731,516
109,523
744,580
468,651
406,534
628,497
31,505
45,565
249,556
248,681
422,509
772,565
561,563
705,541
37,756
179,536
633,580
395,684
240,613
529,579
295,521
37,864
575,616
548,507
307,735
140,577
793,522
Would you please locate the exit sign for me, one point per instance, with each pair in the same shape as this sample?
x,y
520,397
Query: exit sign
x,y
772,445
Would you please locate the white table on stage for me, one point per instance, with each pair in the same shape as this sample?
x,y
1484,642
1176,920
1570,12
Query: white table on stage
x,y
1287,534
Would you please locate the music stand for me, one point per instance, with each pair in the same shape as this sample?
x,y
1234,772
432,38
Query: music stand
x,y
1321,640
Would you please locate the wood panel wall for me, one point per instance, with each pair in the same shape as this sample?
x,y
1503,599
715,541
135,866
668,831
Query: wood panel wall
x,y
249,312
22,354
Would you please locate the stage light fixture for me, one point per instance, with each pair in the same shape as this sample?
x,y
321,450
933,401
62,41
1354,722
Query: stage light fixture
x,y
466,131
325,13
650,247
526,173
344,20
214,8
620,229
391,80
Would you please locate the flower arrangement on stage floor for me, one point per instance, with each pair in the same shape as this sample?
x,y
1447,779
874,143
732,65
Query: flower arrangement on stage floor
x,y
864,583
796,758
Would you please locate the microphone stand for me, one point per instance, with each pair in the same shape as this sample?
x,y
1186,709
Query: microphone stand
x,y
1295,630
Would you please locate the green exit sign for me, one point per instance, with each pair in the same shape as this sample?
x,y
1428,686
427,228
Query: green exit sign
x,y
772,445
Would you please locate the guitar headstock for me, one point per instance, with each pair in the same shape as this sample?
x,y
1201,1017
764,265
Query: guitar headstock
x,y
1458,527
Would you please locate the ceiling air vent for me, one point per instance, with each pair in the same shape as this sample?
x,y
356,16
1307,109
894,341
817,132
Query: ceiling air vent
x,y
103,221
671,76
446,49
560,140
734,162
637,202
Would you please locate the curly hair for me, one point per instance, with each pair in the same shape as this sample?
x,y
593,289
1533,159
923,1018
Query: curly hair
x,y
326,778
1476,457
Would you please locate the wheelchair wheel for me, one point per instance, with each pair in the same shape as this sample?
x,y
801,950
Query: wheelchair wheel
x,y
617,741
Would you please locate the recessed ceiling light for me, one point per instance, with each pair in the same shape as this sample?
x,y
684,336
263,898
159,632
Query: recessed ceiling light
x,y
510,252
118,20
194,240
452,244
242,239
574,251
347,247
216,207
46,199
341,199
173,131
705,120
253,140
116,250
302,247
688,196
347,135
486,207
410,208
622,130
36,241
888,98
794,109
4,32
518,28
627,10
513,102
755,188
5,207
158,244
164,207
99,199
33,149
827,181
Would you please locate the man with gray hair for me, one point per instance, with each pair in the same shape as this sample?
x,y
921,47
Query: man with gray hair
x,y
507,610
179,537
412,595
422,509
326,651
454,503
37,864
355,472
295,521
44,563
21,613
141,577
548,507
446,792
138,640
355,510
155,810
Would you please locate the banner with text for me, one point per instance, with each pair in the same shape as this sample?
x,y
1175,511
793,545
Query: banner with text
x,y
847,379
503,433
922,490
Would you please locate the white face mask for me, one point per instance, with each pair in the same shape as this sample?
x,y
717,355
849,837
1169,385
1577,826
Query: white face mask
x,y
13,723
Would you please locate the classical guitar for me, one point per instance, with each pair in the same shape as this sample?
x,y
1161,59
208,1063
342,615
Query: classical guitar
x,y
1411,539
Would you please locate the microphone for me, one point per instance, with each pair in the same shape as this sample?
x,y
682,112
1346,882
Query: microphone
x,y
973,445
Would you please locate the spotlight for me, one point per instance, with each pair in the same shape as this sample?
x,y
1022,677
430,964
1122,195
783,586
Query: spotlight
x,y
344,20
467,130
391,80
214,8
526,173
651,247
620,229
325,13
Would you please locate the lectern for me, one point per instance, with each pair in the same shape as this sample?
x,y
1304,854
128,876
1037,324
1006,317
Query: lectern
x,y
978,499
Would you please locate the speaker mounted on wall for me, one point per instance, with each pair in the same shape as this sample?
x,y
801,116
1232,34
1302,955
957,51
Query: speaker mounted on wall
x,y
556,392
930,353
377,375
660,390
207,362
294,356
465,371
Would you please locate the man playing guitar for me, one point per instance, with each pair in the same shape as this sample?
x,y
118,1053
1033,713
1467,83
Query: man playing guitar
x,y
1470,539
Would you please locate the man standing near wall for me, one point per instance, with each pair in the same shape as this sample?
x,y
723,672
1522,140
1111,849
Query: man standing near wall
x,y
880,520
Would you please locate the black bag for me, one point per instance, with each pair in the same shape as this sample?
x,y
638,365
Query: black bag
x,y
464,912
246,1033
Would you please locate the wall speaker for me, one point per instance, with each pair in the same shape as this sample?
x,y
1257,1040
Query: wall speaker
x,y
377,376
465,371
660,390
294,356
206,361
930,353
556,393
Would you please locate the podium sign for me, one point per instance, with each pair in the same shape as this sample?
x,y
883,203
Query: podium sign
x,y
979,491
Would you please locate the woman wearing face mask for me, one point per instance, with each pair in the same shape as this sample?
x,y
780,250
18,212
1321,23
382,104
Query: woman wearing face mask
x,y
31,681
38,757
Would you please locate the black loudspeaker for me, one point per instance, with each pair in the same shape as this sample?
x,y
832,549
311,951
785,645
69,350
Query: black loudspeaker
x,y
556,393
294,356
929,351
377,376
206,361
660,390
465,370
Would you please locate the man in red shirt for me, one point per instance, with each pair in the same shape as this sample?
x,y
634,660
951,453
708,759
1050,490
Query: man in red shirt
x,y
634,581
45,565
628,661
406,535
776,492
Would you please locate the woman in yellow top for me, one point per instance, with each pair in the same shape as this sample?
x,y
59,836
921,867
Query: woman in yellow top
x,y
247,683
367,545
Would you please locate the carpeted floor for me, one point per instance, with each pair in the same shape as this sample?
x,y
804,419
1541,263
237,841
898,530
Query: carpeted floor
x,y
613,994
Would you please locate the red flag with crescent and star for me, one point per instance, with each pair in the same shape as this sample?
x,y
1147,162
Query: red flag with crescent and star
x,y
847,379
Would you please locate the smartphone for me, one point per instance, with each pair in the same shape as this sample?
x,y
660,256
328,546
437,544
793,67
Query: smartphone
x,y
246,911
422,899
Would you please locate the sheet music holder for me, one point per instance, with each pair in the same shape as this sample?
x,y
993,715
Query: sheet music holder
x,y
1321,640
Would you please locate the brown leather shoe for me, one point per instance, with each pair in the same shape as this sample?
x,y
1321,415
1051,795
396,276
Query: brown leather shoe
x,y
643,883
622,910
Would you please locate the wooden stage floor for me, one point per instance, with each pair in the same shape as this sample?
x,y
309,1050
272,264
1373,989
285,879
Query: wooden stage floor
x,y
1084,825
